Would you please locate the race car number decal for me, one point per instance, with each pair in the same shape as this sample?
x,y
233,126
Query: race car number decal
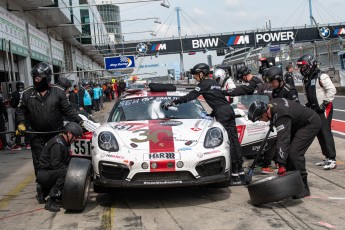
x,y
81,147
150,136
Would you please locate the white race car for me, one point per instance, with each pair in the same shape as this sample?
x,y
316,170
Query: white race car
x,y
143,145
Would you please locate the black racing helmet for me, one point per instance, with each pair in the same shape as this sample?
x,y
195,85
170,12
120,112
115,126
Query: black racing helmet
x,y
256,109
64,83
43,70
274,73
243,71
74,128
306,64
201,67
19,85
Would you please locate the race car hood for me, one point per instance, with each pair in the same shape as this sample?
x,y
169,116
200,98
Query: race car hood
x,y
161,135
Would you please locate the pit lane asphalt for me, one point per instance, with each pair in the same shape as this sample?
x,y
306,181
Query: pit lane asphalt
x,y
177,208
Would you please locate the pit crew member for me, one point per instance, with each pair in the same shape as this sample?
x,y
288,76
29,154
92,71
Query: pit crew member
x,y
223,112
296,127
53,164
320,92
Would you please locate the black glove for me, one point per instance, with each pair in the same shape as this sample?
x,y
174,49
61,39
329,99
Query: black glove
x,y
307,105
167,104
211,114
325,103
322,107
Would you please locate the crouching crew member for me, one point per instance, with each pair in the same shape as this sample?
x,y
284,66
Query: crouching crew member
x,y
53,164
223,112
296,126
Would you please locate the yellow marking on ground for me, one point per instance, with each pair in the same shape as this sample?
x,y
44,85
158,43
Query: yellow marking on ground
x,y
14,192
107,218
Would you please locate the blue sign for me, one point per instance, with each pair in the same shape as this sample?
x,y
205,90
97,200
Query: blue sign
x,y
274,48
120,62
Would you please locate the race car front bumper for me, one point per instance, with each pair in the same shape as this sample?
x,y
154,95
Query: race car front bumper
x,y
209,171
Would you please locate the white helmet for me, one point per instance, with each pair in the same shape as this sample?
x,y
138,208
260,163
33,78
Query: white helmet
x,y
219,74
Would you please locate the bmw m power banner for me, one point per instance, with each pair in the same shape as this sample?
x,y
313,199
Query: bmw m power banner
x,y
120,62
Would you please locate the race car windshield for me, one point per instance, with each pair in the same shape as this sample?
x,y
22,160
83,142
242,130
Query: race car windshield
x,y
149,108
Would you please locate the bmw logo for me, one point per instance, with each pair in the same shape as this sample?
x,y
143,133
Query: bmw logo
x,y
324,32
141,48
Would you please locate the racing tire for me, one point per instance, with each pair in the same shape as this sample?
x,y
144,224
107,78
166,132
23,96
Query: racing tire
x,y
77,185
275,188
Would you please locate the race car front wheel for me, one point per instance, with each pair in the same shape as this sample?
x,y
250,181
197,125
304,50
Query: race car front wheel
x,y
275,188
77,185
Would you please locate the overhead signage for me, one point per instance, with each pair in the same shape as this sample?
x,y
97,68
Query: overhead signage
x,y
119,62
57,53
234,40
39,44
13,33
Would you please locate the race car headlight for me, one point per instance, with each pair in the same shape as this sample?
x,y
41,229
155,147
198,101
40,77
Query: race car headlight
x,y
214,138
107,142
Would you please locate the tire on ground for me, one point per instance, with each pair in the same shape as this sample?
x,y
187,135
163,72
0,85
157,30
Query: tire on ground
x,y
77,185
275,188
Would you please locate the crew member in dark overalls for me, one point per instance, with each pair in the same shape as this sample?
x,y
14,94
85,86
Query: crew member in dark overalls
x,y
53,164
274,76
296,127
223,112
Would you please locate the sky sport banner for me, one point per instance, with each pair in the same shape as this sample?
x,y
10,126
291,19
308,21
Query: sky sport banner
x,y
119,62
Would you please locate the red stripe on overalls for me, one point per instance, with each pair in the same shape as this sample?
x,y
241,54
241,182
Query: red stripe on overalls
x,y
161,141
328,109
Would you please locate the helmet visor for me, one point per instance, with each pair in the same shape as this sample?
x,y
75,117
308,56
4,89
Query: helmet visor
x,y
195,71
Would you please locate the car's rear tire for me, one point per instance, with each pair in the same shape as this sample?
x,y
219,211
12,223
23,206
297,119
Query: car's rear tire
x,y
275,188
77,185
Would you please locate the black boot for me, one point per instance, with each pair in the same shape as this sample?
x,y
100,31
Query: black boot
x,y
51,205
40,196
305,193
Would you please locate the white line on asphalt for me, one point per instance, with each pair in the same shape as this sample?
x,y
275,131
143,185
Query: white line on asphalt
x,y
337,132
340,110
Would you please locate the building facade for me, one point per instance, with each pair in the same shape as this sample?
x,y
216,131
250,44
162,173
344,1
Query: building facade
x,y
67,34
